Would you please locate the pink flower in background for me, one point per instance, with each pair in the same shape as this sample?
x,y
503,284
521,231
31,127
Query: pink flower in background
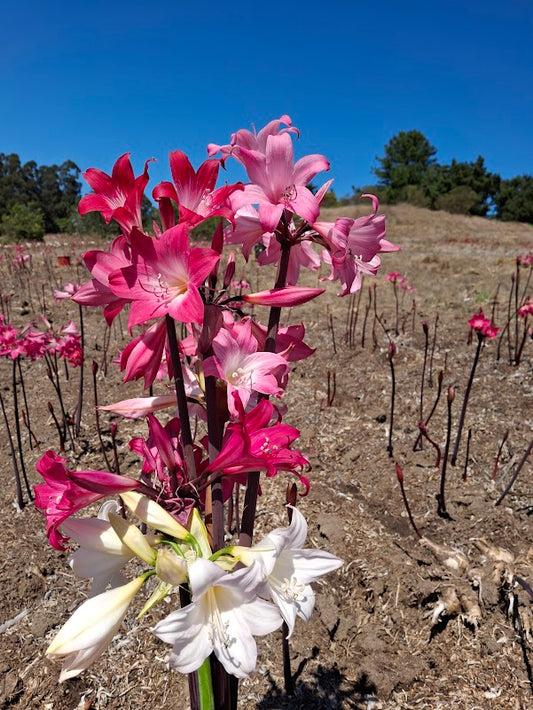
x,y
483,326
353,247
117,196
164,277
65,492
67,291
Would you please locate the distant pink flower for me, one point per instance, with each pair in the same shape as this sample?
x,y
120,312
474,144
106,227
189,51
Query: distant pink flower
x,y
526,308
117,196
277,183
193,192
393,277
483,326
65,492
67,291
164,277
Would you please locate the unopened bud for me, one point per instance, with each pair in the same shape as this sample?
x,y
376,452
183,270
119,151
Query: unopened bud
x,y
399,472
451,394
95,367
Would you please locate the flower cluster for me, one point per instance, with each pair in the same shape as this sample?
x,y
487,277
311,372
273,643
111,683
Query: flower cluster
x,y
228,372
482,326
228,607
35,344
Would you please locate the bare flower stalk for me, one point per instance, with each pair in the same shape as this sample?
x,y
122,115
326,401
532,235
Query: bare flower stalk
x,y
390,357
441,500
480,341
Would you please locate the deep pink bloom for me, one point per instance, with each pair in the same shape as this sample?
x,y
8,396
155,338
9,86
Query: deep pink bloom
x,y
193,192
65,492
117,196
142,356
483,326
277,183
164,277
254,444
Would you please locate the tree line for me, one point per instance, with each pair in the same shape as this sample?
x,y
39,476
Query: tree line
x,y
409,172
39,199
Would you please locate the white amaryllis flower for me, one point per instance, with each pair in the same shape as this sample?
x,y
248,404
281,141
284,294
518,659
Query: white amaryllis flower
x,y
102,553
224,616
90,629
290,569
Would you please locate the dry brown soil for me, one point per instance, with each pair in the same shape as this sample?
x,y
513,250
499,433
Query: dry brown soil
x,y
376,640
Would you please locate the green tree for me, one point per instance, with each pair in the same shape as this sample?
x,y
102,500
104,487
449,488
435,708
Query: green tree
x,y
408,157
22,221
514,200
442,185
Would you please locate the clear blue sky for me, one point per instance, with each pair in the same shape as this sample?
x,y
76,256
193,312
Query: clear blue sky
x,y
91,80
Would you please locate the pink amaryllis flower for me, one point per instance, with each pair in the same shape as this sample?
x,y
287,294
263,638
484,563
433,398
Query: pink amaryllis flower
x,y
164,277
252,140
117,196
65,492
97,291
483,326
277,183
255,444
193,192
353,247
236,360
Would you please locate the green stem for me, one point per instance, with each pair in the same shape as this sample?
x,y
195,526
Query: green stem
x,y
207,700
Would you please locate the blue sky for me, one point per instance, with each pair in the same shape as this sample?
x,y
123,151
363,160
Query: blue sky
x,y
90,81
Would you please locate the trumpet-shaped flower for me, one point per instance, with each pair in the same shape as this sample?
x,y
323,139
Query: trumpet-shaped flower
x,y
89,631
117,196
102,553
252,444
193,192
289,568
65,492
244,369
164,277
277,183
224,616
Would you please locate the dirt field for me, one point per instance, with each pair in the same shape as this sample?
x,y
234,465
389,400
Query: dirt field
x,y
376,640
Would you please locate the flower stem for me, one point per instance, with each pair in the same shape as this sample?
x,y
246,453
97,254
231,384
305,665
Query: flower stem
x,y
252,486
181,397
205,684
480,339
